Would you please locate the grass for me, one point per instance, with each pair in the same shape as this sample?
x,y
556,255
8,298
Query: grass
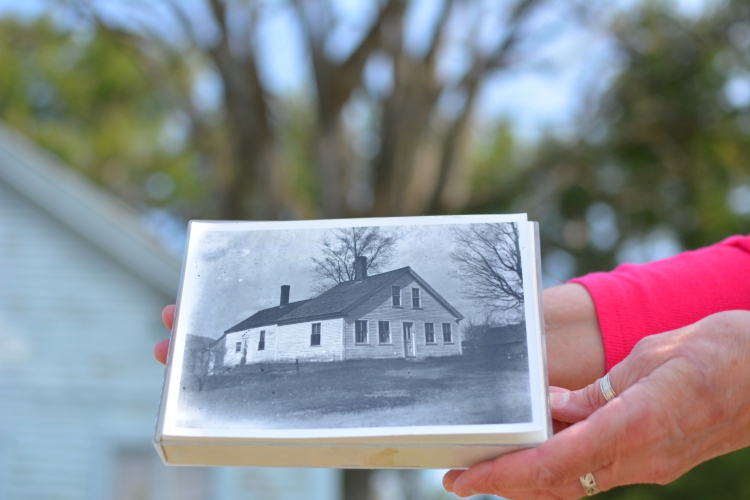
x,y
476,388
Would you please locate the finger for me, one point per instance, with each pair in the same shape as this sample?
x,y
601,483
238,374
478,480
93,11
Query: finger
x,y
161,350
582,448
558,426
449,478
167,316
574,406
591,444
574,489
604,478
559,399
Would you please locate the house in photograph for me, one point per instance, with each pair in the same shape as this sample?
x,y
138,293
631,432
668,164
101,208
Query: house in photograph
x,y
395,314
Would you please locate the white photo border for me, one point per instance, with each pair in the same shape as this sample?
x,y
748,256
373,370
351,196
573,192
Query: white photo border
x,y
186,300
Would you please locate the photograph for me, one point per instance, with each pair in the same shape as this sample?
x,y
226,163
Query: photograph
x,y
353,327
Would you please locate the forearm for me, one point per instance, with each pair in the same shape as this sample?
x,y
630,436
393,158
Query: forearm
x,y
635,301
575,351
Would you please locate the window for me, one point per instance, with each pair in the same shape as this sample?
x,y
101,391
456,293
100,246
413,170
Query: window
x,y
262,341
429,332
447,335
396,294
360,331
238,347
384,332
415,298
315,336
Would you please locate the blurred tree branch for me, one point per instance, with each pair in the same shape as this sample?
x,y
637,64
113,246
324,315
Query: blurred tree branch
x,y
408,119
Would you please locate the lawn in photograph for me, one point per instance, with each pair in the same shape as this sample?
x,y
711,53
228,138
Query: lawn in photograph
x,y
492,389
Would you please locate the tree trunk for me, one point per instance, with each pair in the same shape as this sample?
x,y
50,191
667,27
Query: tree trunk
x,y
330,154
357,484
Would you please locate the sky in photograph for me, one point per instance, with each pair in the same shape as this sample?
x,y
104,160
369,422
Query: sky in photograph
x,y
242,272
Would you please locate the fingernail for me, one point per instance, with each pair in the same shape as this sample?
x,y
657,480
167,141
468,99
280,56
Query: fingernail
x,y
559,398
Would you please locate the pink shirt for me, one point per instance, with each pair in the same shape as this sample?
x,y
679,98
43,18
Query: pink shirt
x,y
634,301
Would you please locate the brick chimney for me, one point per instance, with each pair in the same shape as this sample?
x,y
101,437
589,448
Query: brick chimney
x,y
360,268
284,295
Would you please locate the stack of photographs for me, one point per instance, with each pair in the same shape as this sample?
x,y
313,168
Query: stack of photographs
x,y
398,342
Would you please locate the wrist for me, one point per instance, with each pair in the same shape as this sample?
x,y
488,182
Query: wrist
x,y
575,351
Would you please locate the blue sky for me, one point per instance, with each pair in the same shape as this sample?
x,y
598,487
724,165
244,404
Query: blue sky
x,y
544,92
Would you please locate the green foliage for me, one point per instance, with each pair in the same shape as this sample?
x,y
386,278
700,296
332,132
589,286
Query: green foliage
x,y
663,149
723,478
84,95
666,147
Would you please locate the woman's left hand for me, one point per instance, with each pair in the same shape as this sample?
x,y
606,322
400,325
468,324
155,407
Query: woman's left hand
x,y
683,398
161,348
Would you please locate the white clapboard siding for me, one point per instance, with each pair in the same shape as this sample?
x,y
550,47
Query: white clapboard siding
x,y
78,382
379,307
294,342
250,338
76,373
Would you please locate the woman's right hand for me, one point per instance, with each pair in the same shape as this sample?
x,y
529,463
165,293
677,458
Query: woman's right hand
x,y
683,398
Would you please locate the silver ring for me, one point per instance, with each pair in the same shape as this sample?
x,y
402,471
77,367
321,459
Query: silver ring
x,y
606,388
589,485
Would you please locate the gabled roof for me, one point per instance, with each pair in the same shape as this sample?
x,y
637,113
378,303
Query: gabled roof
x,y
335,302
85,209
266,316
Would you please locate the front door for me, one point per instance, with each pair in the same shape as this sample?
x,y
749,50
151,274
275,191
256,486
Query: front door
x,y
243,361
408,340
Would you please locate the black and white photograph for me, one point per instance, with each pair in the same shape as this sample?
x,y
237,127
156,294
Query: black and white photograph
x,y
364,326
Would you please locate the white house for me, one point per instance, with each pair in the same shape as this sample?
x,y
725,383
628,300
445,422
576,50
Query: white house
x,y
395,314
81,290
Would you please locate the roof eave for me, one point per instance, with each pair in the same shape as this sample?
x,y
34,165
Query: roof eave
x,y
234,329
85,209
435,294
305,319
375,290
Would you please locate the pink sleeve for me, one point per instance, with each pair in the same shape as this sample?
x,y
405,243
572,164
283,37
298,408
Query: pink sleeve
x,y
634,301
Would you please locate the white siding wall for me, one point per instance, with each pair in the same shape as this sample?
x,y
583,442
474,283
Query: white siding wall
x,y
294,342
251,338
379,307
77,376
231,356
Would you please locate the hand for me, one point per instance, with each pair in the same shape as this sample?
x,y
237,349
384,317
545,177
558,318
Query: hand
x,y
162,348
683,398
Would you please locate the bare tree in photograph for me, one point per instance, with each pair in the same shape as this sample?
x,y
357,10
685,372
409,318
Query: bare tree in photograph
x,y
342,248
489,265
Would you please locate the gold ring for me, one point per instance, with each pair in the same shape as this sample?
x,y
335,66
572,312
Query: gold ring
x,y
589,485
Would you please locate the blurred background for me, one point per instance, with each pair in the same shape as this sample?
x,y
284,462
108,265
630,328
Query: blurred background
x,y
623,127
